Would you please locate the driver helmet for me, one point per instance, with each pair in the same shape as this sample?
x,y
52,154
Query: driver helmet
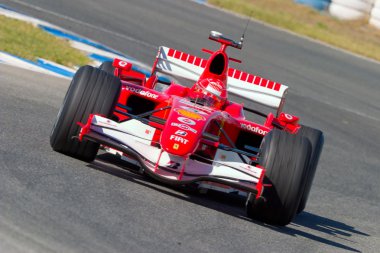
x,y
209,92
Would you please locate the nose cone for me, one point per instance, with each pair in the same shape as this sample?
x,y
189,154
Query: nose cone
x,y
183,129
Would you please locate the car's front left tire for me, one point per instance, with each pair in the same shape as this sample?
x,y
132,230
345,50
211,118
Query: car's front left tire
x,y
107,67
316,139
285,158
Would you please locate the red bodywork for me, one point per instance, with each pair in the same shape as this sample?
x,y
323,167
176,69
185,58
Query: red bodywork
x,y
230,113
185,127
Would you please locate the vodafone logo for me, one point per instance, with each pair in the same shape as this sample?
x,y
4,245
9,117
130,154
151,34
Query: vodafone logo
x,y
123,63
142,92
253,129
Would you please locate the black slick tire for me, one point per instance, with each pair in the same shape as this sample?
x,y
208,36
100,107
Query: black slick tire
x,y
91,91
316,139
285,157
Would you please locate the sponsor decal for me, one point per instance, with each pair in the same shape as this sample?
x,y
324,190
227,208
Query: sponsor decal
x,y
186,121
246,167
254,129
142,92
107,123
288,116
181,133
193,110
187,102
179,139
147,131
176,146
214,87
122,63
184,127
190,114
250,169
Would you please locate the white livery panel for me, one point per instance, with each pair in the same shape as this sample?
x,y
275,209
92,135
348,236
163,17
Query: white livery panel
x,y
133,133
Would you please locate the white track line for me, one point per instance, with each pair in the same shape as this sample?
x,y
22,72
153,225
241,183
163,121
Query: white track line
x,y
20,63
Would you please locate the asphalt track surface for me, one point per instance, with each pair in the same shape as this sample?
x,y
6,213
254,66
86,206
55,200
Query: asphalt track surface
x,y
52,203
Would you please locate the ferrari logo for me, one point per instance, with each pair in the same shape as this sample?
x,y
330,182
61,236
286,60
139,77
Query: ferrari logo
x,y
176,146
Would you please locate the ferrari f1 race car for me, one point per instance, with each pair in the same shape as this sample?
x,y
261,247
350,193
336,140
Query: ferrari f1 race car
x,y
194,135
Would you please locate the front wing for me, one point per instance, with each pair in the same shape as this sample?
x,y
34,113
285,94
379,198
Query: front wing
x,y
134,138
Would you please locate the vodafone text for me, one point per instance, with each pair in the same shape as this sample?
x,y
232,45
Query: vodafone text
x,y
142,92
254,129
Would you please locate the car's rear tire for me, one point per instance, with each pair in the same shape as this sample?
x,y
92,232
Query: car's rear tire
x,y
91,91
316,139
107,67
286,158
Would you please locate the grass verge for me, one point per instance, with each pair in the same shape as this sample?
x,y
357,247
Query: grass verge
x,y
354,36
29,42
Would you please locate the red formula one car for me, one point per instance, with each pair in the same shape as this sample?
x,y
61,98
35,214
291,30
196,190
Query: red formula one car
x,y
194,135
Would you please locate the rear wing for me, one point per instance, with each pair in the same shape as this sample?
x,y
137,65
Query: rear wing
x,y
263,91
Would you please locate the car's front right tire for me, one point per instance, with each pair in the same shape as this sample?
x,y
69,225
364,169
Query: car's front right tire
x,y
91,91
